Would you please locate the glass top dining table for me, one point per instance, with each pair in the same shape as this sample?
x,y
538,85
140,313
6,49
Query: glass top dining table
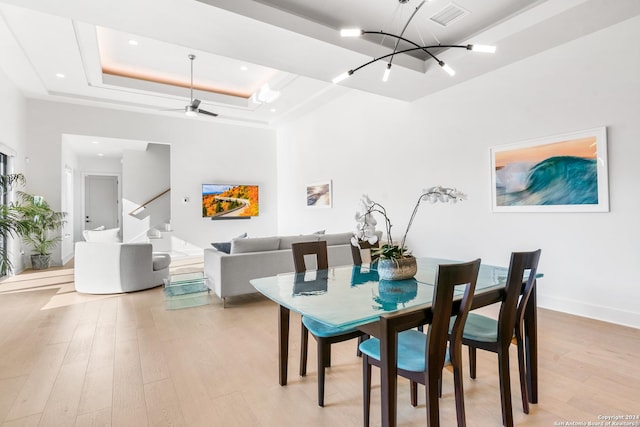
x,y
355,296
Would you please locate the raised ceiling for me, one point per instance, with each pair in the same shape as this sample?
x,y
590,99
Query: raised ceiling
x,y
134,54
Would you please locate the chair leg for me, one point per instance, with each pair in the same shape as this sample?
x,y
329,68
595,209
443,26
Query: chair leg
x,y
322,363
523,376
472,362
366,388
459,392
326,348
431,391
361,339
505,387
413,386
304,344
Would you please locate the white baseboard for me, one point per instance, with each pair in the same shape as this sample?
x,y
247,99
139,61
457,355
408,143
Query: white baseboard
x,y
592,311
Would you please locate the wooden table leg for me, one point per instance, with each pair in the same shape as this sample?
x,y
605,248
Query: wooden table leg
x,y
388,373
531,346
283,342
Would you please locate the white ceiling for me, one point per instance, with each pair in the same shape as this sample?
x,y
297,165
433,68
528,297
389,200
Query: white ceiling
x,y
292,45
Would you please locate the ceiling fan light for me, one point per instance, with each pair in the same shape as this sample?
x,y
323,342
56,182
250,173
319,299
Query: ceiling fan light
x,y
190,111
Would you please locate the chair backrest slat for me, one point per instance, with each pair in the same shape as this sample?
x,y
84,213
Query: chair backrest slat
x,y
357,255
318,248
512,309
448,277
439,313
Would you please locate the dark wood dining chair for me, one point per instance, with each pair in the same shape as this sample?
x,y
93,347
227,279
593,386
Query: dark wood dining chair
x,y
356,253
485,333
324,335
421,357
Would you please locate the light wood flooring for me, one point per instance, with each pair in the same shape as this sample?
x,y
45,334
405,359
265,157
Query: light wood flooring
x,y
68,359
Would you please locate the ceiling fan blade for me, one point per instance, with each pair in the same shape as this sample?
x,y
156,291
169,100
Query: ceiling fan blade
x,y
209,113
195,103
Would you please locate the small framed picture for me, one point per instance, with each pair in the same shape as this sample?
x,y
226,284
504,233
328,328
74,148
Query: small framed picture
x,y
319,195
562,173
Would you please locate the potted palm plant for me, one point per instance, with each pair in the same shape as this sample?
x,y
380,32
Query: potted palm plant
x,y
39,227
10,221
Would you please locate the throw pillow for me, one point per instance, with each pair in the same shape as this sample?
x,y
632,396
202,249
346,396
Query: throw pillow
x,y
226,246
110,235
337,238
256,244
286,241
222,247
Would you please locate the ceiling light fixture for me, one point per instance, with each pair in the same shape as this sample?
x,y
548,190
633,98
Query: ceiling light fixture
x,y
265,95
60,75
356,32
133,42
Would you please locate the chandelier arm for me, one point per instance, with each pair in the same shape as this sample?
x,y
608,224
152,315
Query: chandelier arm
x,y
423,48
403,30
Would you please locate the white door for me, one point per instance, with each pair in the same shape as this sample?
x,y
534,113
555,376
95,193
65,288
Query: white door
x,y
101,201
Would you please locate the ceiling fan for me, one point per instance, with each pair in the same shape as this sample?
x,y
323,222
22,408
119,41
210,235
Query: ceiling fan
x,y
192,109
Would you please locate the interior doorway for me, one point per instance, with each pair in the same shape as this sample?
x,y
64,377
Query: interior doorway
x,y
101,202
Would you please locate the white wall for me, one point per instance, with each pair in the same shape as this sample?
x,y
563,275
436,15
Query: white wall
x,y
90,165
201,151
391,150
145,176
13,119
69,200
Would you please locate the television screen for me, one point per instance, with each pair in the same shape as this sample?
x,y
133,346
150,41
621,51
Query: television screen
x,y
229,201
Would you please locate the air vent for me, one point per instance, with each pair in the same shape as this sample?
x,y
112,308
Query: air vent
x,y
450,14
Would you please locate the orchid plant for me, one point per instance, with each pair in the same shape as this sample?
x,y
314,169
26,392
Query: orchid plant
x,y
366,223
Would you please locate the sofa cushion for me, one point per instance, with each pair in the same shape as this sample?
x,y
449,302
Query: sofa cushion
x,y
226,246
337,238
255,244
286,241
160,261
102,236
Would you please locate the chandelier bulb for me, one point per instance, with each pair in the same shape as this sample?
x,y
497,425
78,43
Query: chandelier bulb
x,y
447,68
350,32
387,71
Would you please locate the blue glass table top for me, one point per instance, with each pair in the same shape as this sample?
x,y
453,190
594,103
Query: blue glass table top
x,y
354,295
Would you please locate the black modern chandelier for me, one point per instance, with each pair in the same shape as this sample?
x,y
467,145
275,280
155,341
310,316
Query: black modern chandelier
x,y
412,47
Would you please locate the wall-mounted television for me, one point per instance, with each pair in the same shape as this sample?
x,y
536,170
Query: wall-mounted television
x,y
222,201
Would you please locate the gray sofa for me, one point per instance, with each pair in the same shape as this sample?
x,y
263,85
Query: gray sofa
x,y
249,258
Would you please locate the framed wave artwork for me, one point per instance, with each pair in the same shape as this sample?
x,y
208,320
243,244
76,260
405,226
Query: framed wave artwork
x,y
562,173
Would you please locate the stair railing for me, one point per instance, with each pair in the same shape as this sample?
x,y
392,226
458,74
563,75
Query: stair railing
x,y
148,202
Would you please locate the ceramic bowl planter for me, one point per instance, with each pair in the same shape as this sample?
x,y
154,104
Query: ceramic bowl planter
x,y
397,268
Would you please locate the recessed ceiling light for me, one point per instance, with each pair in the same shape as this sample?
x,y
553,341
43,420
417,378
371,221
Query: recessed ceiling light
x,y
95,142
244,68
100,155
273,110
133,42
60,75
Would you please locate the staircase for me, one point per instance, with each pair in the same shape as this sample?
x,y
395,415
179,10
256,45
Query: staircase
x,y
163,240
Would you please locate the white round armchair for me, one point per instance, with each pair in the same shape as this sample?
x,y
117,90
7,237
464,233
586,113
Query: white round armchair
x,y
111,268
